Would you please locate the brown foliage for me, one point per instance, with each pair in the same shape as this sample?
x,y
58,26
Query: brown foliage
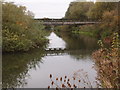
x,y
108,61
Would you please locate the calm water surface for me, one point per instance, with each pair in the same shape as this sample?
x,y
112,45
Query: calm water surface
x,y
32,69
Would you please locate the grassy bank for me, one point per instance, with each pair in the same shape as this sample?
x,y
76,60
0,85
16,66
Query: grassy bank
x,y
91,31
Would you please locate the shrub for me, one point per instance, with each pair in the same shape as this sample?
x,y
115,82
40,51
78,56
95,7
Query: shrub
x,y
20,31
107,61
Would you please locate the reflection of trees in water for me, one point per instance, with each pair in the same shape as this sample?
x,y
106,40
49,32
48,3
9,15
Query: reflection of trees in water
x,y
16,67
80,54
82,46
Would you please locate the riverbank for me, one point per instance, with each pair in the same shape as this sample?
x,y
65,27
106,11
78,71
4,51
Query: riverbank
x,y
107,64
91,31
104,12
20,32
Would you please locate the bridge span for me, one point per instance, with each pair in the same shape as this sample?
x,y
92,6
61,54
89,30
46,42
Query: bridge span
x,y
65,22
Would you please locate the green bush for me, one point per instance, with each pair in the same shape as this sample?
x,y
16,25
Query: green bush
x,y
20,32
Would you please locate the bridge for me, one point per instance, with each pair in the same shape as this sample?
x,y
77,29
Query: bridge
x,y
65,22
62,51
55,49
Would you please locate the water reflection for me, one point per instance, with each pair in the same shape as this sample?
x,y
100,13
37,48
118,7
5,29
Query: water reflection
x,y
16,67
55,41
80,47
32,69
78,42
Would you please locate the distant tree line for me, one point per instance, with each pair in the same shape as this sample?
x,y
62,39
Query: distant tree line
x,y
105,12
89,10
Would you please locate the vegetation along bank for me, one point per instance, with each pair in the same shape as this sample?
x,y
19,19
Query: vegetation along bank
x,y
20,32
107,58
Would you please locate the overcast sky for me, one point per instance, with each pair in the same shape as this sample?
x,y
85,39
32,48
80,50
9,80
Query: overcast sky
x,y
45,8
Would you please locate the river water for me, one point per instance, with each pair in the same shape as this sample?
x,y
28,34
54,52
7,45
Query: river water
x,y
32,69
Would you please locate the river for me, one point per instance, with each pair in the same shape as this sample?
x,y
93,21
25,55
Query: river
x,y
32,69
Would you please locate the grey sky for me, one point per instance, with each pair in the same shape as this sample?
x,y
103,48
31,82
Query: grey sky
x,y
45,8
